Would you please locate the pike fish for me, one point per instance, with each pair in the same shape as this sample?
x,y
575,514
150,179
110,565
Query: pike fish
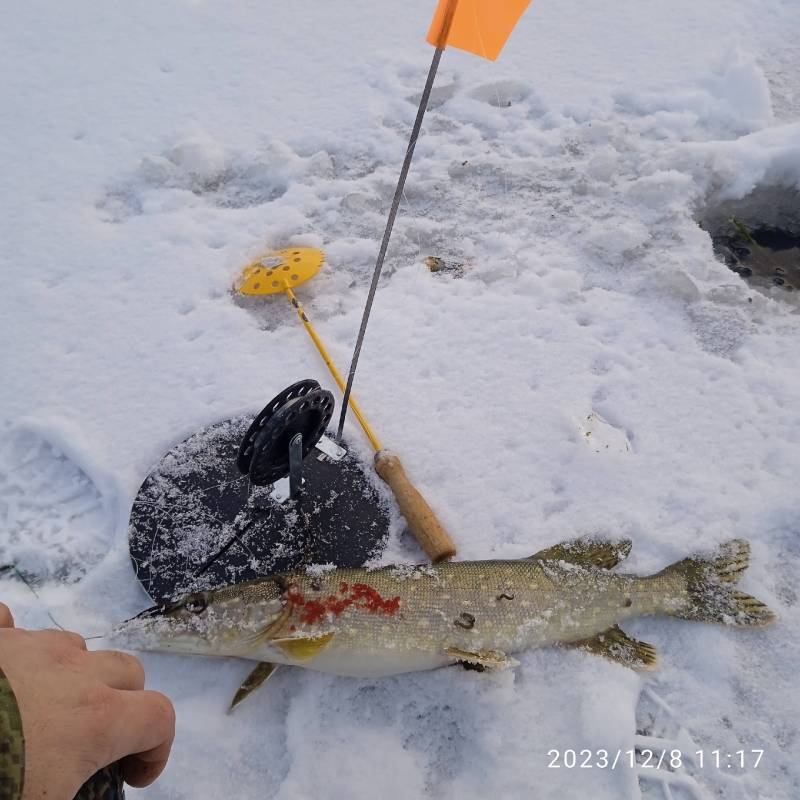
x,y
377,622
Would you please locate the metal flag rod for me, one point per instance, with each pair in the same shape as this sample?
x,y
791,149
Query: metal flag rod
x,y
398,194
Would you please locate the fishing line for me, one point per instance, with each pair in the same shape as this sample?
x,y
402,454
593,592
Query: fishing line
x,y
21,576
13,568
495,86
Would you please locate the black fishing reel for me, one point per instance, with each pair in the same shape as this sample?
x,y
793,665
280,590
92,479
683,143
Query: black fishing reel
x,y
271,447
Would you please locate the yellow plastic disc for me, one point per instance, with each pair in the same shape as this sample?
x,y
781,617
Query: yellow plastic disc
x,y
273,272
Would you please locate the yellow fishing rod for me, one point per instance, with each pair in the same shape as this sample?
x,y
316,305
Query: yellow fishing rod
x,y
280,272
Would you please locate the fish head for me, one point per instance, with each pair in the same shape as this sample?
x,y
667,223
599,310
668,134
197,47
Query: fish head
x,y
226,621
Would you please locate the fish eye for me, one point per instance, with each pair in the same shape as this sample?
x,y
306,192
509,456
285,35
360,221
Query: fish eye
x,y
196,603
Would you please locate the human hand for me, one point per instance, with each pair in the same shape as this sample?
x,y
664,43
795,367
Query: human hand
x,y
81,711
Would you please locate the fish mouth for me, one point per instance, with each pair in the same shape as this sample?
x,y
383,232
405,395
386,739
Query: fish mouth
x,y
175,626
154,612
154,630
153,625
196,602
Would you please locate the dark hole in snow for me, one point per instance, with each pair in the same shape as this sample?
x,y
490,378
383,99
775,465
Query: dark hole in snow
x,y
758,237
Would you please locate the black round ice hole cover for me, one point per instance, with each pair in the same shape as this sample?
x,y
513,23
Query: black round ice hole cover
x,y
196,523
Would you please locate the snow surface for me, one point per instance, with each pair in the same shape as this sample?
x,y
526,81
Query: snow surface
x,y
150,149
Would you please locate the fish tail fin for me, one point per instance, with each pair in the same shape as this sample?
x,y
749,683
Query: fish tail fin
x,y
708,594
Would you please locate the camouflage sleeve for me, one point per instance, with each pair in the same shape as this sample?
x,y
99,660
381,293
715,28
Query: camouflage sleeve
x,y
107,784
12,744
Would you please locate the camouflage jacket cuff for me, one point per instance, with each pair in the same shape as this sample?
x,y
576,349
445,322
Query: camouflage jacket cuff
x,y
12,744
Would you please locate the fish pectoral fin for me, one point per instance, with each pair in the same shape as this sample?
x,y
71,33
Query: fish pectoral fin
x,y
616,645
303,648
587,552
488,659
260,673
268,631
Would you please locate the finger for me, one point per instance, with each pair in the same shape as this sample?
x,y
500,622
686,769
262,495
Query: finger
x,y
142,735
117,670
6,618
141,770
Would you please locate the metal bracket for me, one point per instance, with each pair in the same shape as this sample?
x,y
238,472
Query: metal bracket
x,y
327,449
280,490
295,465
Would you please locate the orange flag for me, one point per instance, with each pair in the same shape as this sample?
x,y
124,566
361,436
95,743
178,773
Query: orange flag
x,y
477,26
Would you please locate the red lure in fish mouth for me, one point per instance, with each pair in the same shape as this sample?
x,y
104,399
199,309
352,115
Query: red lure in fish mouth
x,y
361,595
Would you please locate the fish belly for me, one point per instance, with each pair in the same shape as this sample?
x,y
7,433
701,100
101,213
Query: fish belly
x,y
352,662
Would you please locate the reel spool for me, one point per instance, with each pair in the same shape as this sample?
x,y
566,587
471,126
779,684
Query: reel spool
x,y
239,500
303,409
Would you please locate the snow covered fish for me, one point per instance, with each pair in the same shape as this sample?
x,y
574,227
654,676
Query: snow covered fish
x,y
391,620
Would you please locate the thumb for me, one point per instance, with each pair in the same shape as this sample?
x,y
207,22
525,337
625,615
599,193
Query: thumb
x,y
6,619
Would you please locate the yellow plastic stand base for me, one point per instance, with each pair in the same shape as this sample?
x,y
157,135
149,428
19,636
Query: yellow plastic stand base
x,y
280,270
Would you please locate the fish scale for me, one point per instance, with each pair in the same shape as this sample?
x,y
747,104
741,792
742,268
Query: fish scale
x,y
377,622
503,606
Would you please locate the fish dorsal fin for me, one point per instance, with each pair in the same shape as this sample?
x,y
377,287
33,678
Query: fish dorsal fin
x,y
488,659
587,552
616,645
260,673
303,648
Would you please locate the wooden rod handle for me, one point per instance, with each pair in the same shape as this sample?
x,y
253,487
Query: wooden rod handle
x,y
422,522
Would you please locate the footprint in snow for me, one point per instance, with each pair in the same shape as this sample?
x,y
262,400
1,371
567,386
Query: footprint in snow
x,y
658,728
438,97
502,94
200,170
54,522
